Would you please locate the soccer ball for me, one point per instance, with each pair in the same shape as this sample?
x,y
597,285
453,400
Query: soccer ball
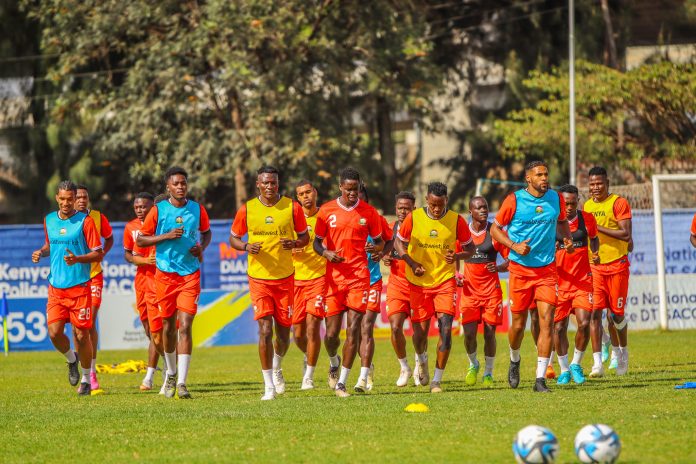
x,y
597,443
535,445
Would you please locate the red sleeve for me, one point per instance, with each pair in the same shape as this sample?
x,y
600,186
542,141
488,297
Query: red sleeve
x,y
506,211
693,226
375,225
150,224
562,216
405,229
590,224
91,234
128,242
387,232
463,233
502,249
298,218
239,226
204,220
622,210
106,230
46,231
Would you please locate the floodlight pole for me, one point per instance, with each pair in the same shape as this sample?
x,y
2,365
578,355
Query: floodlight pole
x,y
571,89
660,254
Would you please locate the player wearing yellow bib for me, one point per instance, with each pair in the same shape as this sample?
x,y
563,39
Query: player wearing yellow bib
x,y
271,222
427,242
310,287
610,269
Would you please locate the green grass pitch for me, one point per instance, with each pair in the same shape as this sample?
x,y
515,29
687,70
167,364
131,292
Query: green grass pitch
x,y
42,419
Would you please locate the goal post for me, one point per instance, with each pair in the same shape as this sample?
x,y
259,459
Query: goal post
x,y
657,181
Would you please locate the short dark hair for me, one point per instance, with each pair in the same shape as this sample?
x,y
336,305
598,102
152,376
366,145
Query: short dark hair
x,y
477,197
363,190
145,196
267,170
597,171
569,188
304,182
67,185
161,197
348,174
534,164
175,171
82,187
437,188
405,195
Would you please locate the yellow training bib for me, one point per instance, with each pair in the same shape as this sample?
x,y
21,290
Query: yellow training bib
x,y
96,217
430,240
268,224
308,264
610,249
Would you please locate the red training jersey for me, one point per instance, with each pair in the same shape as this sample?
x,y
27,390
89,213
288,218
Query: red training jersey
x,y
130,235
477,277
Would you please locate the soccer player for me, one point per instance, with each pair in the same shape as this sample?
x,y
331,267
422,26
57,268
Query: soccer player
x,y
343,225
692,238
310,288
610,269
72,243
482,297
374,300
179,229
271,220
398,303
145,293
427,242
533,216
574,287
96,274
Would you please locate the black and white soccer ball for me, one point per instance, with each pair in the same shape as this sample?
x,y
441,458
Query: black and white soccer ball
x,y
597,443
535,445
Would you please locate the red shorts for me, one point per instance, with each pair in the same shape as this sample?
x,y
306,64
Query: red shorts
x,y
96,284
398,297
568,302
346,295
309,299
374,297
426,301
476,307
537,284
176,292
273,298
610,291
146,302
72,305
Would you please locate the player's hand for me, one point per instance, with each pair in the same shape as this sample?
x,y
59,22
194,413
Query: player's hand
x,y
450,256
152,259
333,257
630,245
175,233
253,248
418,269
491,267
287,244
595,258
387,259
369,247
568,243
36,256
377,257
70,258
459,279
522,248
196,250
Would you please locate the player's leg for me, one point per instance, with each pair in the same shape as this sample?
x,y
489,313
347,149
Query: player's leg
x,y
331,343
184,350
97,287
489,349
560,342
367,350
152,358
350,346
84,350
283,299
313,347
618,291
444,346
545,342
518,323
299,334
56,332
422,312
582,338
398,339
534,328
265,324
471,345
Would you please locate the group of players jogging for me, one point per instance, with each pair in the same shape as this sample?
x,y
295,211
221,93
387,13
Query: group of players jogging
x,y
308,264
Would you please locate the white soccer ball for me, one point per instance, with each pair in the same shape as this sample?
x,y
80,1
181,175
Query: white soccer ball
x,y
597,443
535,445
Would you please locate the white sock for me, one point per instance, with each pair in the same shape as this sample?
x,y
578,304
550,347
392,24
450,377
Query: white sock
x,y
404,364
70,356
276,361
514,355
542,364
422,357
170,360
343,378
551,357
606,339
149,375
333,361
615,351
268,378
437,375
93,367
309,373
85,375
624,350
305,358
472,359
563,361
184,361
577,356
490,360
597,357
364,371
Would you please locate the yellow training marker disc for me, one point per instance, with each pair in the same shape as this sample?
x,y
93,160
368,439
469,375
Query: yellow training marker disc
x,y
97,392
417,407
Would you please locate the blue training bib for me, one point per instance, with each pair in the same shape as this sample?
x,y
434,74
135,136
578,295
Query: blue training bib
x,y
173,256
63,235
535,219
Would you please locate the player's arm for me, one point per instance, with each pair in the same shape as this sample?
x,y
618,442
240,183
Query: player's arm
x,y
301,229
385,253
42,252
503,267
693,240
623,233
107,233
521,248
401,246
94,244
563,229
147,237
138,260
301,242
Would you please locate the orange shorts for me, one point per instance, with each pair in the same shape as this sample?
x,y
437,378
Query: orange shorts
x,y
146,302
610,291
568,302
537,284
476,308
273,298
426,301
309,299
346,295
176,292
72,305
374,297
96,284
398,299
